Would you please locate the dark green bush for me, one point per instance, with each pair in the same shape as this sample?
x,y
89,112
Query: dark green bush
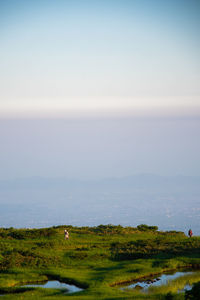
x,y
153,247
169,296
25,257
194,293
22,234
144,227
79,256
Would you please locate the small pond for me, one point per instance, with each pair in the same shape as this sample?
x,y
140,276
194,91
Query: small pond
x,y
160,280
54,284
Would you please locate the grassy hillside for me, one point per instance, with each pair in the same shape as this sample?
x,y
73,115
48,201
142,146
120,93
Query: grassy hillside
x,y
97,259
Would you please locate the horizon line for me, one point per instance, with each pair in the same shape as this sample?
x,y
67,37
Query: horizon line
x,y
151,112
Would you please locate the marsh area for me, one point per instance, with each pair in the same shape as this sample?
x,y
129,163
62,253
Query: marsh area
x,y
95,262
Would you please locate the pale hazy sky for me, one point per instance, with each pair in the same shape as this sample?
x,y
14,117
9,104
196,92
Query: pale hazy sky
x,y
96,148
99,88
65,56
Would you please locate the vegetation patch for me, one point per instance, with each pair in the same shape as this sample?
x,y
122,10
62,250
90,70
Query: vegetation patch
x,y
96,259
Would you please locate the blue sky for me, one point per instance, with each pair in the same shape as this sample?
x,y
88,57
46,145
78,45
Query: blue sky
x,y
117,83
62,57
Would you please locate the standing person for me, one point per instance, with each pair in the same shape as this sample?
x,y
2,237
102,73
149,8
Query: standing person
x,y
66,235
190,233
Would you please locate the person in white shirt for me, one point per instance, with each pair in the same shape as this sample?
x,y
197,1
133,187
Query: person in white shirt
x,y
66,235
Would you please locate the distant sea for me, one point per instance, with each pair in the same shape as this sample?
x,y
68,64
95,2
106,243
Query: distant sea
x,y
171,203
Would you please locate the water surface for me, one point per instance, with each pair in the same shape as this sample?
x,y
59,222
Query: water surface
x,y
54,284
161,280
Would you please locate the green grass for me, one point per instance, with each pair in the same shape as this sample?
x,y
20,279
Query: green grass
x,y
94,258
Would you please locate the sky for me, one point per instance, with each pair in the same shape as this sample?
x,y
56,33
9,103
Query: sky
x,y
62,57
99,148
93,89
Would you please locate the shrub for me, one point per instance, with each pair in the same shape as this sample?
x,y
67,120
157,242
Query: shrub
x,y
22,234
153,247
194,293
144,227
169,296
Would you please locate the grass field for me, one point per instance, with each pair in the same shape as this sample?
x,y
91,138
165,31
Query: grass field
x,y
97,259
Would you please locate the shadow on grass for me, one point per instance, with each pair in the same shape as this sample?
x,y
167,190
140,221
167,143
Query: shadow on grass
x,y
102,273
15,290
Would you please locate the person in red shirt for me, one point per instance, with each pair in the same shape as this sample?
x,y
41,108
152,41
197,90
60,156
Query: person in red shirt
x,y
190,233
